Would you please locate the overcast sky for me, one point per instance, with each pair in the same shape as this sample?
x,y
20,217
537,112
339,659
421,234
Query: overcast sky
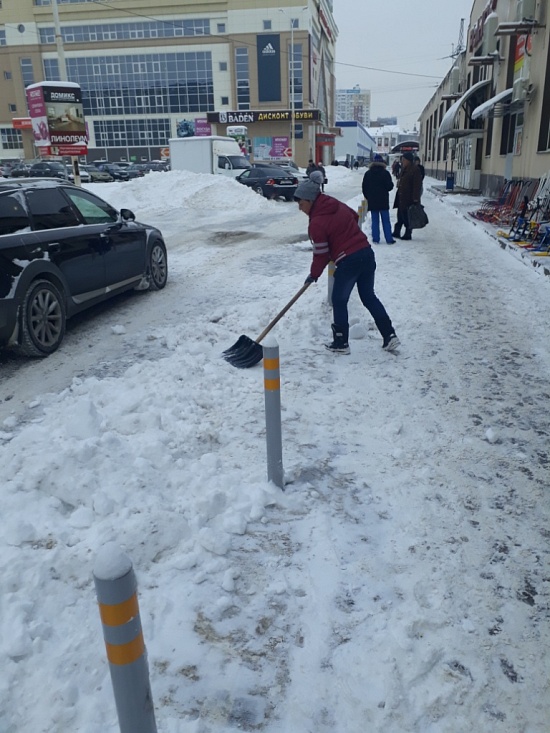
x,y
397,35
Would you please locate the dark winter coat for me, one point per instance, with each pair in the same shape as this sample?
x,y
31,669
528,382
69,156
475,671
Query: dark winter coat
x,y
409,188
377,184
334,232
311,167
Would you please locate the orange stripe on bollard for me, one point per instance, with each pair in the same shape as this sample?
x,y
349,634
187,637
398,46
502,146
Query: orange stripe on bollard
x,y
126,653
121,613
272,384
271,363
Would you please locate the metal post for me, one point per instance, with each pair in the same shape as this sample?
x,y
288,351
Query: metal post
x,y
273,433
64,77
116,589
330,281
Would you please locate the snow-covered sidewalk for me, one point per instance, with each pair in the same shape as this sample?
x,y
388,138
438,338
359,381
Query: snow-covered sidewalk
x,y
399,584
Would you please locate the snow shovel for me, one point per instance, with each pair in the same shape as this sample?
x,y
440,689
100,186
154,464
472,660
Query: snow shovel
x,y
246,353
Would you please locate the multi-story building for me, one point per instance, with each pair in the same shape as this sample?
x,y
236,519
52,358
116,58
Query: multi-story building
x,y
489,120
353,104
152,71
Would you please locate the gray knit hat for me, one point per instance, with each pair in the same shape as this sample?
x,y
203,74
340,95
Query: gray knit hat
x,y
308,190
317,177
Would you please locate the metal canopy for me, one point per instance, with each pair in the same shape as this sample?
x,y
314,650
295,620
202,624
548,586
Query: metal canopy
x,y
447,127
484,109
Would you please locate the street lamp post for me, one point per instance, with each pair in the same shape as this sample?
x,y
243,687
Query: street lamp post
x,y
291,84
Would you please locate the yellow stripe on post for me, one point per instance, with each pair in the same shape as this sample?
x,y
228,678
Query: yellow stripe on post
x,y
271,364
121,613
126,653
272,384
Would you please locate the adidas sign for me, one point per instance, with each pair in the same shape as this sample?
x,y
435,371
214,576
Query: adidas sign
x,y
268,50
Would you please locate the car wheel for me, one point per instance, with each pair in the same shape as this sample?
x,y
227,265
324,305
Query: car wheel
x,y
157,267
43,318
258,189
289,198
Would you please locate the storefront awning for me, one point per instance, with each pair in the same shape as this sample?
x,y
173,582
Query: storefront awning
x,y
484,109
447,127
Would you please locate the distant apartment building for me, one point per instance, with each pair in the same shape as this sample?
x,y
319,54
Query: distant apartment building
x,y
151,72
353,104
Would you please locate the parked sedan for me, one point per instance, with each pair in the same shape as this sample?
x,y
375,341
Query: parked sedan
x,y
270,182
48,169
84,175
97,176
62,250
114,170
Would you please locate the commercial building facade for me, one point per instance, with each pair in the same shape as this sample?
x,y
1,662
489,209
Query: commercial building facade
x,y
149,73
489,120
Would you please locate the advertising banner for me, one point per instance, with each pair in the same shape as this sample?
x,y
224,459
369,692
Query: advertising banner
x,y
56,113
269,68
271,148
193,127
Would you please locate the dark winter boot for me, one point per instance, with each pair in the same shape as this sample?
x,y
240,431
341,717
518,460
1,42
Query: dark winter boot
x,y
397,231
408,234
339,344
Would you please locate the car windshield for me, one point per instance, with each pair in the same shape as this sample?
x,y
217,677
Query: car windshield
x,y
238,161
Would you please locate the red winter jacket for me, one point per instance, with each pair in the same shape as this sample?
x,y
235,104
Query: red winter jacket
x,y
334,232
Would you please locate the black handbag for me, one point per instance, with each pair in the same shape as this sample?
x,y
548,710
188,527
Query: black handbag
x,y
417,216
325,181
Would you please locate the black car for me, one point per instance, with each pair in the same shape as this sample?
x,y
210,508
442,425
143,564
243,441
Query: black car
x,y
62,250
22,170
48,169
270,182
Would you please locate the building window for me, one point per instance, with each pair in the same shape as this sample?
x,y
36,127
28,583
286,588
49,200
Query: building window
x,y
3,38
7,74
27,71
134,133
294,23
243,78
267,25
12,107
296,72
166,83
126,31
221,27
11,139
225,101
223,65
544,130
298,131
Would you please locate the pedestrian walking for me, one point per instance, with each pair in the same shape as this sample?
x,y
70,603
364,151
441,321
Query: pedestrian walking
x,y
409,190
320,167
377,184
396,168
310,167
336,236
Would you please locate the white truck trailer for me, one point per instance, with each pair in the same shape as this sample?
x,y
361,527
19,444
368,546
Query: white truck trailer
x,y
208,154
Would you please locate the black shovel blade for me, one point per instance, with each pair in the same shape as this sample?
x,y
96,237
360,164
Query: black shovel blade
x,y
244,354
239,344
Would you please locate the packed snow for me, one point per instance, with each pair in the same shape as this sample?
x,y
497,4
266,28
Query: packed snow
x,y
398,584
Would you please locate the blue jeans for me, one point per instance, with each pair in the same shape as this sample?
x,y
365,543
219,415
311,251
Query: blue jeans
x,y
358,269
384,214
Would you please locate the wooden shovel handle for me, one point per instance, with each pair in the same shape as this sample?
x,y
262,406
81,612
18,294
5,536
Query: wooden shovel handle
x,y
279,315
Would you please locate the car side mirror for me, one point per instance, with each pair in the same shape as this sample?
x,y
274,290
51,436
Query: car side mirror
x,y
127,215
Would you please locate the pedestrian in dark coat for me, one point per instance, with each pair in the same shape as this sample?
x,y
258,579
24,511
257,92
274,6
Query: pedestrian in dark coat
x,y
336,236
409,191
310,167
377,184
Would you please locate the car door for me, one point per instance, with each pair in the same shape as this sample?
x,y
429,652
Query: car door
x,y
123,242
77,251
